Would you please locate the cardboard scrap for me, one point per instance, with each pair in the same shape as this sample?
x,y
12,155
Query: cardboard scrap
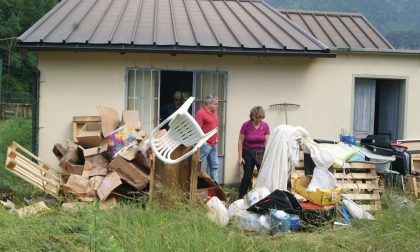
x,y
132,169
110,119
95,166
109,183
96,181
110,202
77,184
131,118
32,209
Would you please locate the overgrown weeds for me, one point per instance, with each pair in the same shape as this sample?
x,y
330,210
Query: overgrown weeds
x,y
179,226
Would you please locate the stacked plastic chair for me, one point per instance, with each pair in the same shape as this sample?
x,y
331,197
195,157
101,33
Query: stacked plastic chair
x,y
183,130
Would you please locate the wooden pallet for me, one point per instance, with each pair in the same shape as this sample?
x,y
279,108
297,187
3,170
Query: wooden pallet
x,y
413,184
37,173
360,183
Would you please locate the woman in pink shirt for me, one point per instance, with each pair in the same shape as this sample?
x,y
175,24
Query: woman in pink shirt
x,y
251,145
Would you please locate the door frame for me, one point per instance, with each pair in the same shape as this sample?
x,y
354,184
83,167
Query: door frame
x,y
403,78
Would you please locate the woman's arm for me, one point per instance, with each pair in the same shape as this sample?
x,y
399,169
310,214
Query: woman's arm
x,y
241,161
266,139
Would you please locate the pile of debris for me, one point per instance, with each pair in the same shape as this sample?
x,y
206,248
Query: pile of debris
x,y
108,159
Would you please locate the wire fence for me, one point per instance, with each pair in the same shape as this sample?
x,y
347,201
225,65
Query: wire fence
x,y
15,105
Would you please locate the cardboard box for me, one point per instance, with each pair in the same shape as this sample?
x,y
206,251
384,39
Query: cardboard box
x,y
109,183
133,169
90,135
59,151
320,197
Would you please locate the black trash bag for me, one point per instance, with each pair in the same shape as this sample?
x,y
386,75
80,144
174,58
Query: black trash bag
x,y
280,200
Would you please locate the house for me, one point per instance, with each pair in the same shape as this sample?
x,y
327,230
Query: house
x,y
134,54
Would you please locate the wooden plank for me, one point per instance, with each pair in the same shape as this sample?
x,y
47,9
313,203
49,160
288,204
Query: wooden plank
x,y
356,176
358,165
370,207
358,186
360,196
195,166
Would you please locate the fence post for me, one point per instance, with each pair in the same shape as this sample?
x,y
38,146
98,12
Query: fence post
x,y
1,94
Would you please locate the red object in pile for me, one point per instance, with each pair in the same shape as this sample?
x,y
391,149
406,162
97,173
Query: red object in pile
x,y
399,147
311,206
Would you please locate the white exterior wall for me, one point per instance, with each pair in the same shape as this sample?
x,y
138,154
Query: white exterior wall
x,y
74,83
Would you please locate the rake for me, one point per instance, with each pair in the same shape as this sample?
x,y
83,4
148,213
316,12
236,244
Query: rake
x,y
285,107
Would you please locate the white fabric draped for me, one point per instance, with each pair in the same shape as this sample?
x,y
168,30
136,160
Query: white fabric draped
x,y
282,155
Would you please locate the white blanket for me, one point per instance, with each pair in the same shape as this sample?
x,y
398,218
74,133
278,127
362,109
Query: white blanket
x,y
282,155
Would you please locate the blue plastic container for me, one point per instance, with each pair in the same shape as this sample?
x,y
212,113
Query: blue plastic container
x,y
294,223
280,222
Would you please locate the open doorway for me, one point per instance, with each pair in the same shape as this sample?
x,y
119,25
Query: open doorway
x,y
173,81
379,106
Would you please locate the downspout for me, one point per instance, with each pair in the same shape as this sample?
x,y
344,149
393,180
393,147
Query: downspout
x,y
35,101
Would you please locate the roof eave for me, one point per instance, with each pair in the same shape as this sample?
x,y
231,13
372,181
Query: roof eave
x,y
173,49
375,51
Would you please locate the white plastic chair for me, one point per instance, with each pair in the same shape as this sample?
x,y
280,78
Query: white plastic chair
x,y
183,129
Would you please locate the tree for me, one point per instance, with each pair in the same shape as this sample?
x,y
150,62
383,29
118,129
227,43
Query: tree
x,y
16,16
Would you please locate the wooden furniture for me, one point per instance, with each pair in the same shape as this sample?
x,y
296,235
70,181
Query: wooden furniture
x,y
167,182
415,163
413,185
36,172
79,121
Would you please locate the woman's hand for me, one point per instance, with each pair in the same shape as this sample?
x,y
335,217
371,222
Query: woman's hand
x,y
241,162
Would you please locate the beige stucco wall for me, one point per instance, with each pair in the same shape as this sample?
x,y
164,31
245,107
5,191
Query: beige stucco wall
x,y
74,83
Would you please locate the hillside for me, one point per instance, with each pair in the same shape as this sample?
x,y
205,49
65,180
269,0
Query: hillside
x,y
397,20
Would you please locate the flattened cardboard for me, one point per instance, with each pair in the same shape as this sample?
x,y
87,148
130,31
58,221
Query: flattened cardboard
x,y
132,172
131,118
90,135
110,119
96,181
77,184
95,166
109,183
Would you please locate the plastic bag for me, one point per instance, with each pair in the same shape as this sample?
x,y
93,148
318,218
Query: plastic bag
x,y
346,137
217,213
256,195
236,206
322,179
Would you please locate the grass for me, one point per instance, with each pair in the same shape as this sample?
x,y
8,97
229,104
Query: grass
x,y
180,227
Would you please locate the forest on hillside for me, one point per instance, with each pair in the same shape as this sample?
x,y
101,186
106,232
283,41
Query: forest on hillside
x,y
397,20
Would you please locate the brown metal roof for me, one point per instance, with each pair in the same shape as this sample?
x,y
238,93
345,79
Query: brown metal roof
x,y
339,30
173,26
